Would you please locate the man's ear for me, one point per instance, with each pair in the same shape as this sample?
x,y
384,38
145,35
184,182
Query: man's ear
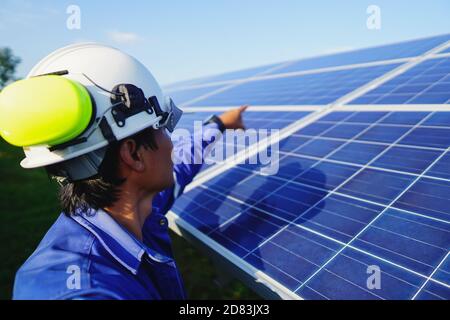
x,y
131,155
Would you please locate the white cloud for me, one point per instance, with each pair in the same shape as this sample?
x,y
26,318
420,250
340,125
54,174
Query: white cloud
x,y
124,37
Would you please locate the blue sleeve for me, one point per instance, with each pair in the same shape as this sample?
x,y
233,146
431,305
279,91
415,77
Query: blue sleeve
x,y
187,165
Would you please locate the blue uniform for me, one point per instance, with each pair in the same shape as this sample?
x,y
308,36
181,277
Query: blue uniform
x,y
91,256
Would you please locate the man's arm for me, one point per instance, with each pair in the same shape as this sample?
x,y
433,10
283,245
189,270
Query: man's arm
x,y
186,169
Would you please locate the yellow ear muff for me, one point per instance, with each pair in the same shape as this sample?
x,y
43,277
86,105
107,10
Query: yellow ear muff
x,y
45,110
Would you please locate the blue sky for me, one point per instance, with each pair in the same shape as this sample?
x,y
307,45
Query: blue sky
x,y
179,40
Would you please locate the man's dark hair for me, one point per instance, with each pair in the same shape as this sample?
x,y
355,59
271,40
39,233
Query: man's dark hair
x,y
101,190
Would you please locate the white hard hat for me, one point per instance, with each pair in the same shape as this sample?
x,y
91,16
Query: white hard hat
x,y
113,80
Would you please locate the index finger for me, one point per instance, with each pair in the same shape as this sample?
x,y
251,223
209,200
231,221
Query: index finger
x,y
243,108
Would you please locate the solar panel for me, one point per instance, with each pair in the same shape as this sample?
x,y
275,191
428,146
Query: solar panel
x,y
387,52
328,214
307,89
362,188
426,83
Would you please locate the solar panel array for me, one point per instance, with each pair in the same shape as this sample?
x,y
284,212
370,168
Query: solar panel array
x,y
363,179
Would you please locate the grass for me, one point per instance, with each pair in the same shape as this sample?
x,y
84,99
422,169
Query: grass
x,y
28,207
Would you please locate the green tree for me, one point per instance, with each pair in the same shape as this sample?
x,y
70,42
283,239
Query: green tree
x,y
8,64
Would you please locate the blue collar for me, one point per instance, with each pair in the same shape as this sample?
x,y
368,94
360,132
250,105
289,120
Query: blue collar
x,y
120,243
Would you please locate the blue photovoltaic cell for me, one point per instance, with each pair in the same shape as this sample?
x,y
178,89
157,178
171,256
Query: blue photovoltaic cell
x,y
383,133
441,119
426,83
308,89
409,159
353,190
344,130
387,52
358,152
428,197
407,118
428,137
376,185
442,168
319,148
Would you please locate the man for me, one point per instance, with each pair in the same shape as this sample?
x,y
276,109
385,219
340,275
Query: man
x,y
96,119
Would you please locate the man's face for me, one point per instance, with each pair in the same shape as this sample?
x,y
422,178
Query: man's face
x,y
158,174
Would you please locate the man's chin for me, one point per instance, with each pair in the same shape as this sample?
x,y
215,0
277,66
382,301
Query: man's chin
x,y
170,182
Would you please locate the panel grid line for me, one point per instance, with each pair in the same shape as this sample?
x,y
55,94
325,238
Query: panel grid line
x,y
430,276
